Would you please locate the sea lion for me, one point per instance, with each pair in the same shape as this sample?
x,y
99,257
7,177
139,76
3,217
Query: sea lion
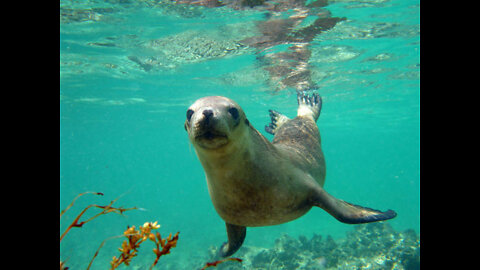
x,y
254,182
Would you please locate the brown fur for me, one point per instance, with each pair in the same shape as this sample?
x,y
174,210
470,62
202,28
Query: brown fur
x,y
253,182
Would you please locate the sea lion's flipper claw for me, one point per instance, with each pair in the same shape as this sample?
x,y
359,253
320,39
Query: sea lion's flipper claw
x,y
277,120
309,105
269,130
236,235
349,213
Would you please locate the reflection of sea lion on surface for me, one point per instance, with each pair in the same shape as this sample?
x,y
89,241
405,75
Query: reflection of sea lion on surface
x,y
253,182
290,68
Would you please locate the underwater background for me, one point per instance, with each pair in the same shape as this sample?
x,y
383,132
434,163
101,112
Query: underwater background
x,y
130,69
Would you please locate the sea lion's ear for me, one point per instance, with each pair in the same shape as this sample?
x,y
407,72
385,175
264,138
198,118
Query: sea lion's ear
x,y
346,212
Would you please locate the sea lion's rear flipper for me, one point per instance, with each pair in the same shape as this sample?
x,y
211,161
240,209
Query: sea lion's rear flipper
x,y
309,105
277,120
347,212
236,235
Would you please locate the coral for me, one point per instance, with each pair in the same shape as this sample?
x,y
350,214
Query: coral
x,y
378,246
372,246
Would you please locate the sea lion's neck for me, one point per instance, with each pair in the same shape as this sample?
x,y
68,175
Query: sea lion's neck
x,y
242,150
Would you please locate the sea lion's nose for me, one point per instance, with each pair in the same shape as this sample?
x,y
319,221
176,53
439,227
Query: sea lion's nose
x,y
208,116
208,113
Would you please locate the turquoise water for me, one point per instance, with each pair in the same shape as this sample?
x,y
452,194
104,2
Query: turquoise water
x,y
130,69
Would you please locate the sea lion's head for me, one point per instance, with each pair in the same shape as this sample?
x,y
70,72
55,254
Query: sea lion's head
x,y
215,122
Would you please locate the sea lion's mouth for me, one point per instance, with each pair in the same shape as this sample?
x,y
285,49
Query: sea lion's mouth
x,y
211,140
209,135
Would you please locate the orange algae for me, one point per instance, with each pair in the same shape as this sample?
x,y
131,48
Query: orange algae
x,y
215,263
134,237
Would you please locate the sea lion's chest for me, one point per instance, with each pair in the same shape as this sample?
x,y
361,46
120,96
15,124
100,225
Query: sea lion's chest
x,y
257,192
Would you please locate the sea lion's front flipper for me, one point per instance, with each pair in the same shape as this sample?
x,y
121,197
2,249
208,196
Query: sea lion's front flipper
x,y
347,212
236,235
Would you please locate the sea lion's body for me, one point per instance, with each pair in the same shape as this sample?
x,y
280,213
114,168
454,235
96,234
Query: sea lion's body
x,y
253,182
267,185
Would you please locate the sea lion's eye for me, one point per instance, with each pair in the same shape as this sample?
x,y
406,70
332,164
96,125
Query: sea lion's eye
x,y
233,112
189,114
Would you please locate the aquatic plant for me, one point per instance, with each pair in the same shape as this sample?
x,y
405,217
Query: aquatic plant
x,y
215,263
134,237
105,210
